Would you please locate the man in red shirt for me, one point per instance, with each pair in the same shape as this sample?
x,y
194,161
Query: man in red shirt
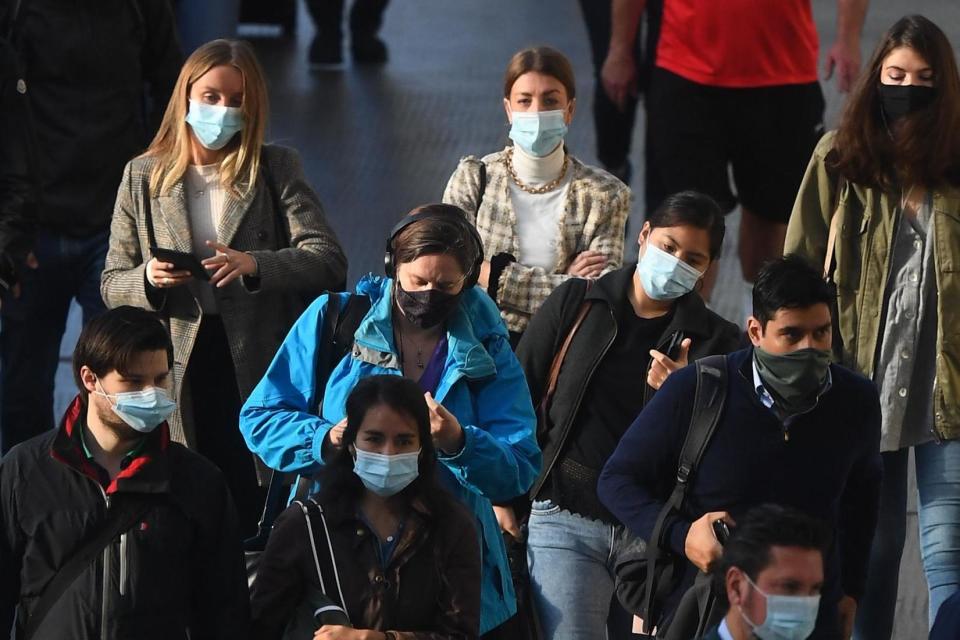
x,y
734,85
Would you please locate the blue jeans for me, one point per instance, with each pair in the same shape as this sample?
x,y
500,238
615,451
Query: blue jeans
x,y
571,562
938,487
33,327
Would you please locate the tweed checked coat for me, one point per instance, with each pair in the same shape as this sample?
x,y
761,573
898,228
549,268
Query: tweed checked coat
x,y
257,312
594,217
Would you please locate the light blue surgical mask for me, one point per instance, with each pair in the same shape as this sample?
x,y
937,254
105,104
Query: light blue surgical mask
x,y
665,277
386,475
142,410
214,125
538,132
788,617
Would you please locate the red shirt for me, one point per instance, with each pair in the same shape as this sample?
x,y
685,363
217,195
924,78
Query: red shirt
x,y
739,43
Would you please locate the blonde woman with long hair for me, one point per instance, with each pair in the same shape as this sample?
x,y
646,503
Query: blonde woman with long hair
x,y
223,236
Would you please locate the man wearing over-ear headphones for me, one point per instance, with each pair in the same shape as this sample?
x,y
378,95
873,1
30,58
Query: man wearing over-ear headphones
x,y
427,321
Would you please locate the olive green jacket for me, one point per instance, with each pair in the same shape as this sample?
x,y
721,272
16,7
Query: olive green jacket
x,y
866,226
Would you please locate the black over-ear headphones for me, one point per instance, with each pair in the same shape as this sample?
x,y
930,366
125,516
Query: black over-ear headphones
x,y
449,213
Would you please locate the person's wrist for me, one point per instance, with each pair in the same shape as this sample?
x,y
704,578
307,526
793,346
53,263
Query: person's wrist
x,y
255,268
620,52
146,273
452,443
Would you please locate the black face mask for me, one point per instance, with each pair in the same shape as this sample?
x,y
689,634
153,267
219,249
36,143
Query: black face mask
x,y
900,100
425,309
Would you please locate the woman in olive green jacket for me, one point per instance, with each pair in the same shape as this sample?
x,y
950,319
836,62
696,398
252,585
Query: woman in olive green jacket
x,y
886,187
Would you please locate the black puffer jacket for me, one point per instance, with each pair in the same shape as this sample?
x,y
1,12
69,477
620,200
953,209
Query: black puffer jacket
x,y
708,332
179,571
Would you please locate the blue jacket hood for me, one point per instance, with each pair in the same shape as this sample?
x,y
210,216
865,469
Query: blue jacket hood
x,y
472,324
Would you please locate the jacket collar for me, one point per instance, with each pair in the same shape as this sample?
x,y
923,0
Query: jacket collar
x,y
690,314
475,319
147,471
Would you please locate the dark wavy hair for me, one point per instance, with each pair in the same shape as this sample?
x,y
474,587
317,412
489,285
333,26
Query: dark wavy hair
x,y
921,148
762,528
341,489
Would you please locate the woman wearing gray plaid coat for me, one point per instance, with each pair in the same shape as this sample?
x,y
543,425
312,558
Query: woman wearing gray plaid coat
x,y
254,248
543,215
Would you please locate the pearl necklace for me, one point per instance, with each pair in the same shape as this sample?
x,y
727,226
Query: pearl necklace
x,y
550,186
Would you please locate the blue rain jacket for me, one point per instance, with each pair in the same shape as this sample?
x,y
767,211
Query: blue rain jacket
x,y
482,385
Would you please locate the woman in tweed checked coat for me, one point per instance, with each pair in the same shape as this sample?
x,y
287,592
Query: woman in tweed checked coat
x,y
207,186
543,215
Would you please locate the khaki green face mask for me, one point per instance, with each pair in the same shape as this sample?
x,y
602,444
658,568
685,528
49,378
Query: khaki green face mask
x,y
793,379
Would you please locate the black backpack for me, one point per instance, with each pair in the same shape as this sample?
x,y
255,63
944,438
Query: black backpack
x,y
649,573
336,334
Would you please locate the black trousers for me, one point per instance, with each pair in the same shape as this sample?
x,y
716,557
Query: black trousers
x,y
366,16
614,127
216,404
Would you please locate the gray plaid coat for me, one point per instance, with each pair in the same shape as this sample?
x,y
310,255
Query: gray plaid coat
x,y
257,312
594,218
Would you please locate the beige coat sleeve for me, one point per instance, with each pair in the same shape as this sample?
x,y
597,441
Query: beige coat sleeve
x,y
123,281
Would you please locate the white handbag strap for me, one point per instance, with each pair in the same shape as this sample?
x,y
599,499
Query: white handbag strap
x,y
313,549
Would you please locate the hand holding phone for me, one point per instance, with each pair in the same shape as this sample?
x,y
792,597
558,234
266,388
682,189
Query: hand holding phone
x,y
722,530
171,268
663,363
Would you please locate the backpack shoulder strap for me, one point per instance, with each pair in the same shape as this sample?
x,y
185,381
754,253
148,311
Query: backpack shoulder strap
x,y
708,403
483,184
353,314
323,359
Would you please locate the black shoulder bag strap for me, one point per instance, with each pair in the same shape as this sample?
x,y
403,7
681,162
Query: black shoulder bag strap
x,y
708,405
120,522
483,185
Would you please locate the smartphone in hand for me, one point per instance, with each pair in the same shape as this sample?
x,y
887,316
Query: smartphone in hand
x,y
182,261
722,530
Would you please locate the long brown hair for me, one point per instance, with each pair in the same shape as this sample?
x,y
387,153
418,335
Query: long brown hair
x,y
545,60
171,146
921,148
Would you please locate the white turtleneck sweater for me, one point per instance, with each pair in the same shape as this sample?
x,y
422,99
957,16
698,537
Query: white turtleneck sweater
x,y
538,215
205,202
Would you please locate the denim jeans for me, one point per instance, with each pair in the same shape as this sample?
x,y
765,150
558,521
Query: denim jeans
x,y
33,327
571,562
938,487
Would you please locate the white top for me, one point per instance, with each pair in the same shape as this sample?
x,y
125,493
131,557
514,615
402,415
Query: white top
x,y
539,215
205,200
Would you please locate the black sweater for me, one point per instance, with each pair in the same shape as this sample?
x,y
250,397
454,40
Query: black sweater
x,y
829,467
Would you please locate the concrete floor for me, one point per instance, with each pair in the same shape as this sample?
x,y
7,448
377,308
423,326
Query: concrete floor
x,y
376,142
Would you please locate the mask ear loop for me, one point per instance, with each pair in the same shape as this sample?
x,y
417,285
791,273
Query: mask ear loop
x,y
743,614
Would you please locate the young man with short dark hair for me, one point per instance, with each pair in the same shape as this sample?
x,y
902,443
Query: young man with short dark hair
x,y
771,573
795,430
108,529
